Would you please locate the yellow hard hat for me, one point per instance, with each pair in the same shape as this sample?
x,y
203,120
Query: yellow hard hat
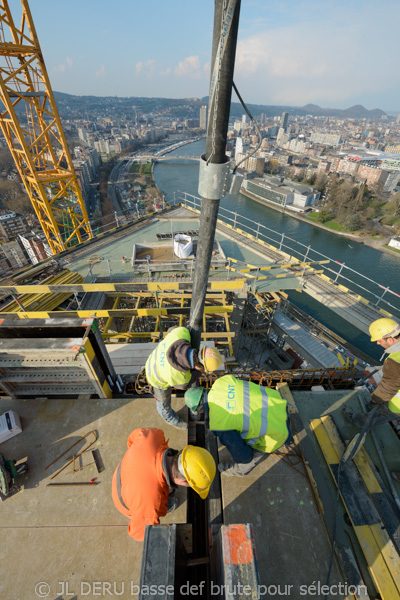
x,y
198,467
211,358
382,328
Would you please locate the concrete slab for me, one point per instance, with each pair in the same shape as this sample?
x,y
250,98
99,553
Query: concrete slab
x,y
112,250
73,534
291,542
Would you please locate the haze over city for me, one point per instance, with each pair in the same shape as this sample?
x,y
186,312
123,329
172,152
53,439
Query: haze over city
x,y
288,53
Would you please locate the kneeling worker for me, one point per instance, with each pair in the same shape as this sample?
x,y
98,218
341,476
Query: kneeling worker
x,y
174,363
250,420
142,480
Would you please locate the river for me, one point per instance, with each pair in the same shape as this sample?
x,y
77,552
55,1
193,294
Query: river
x,y
173,176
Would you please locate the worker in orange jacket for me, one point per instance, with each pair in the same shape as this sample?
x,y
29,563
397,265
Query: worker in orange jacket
x,y
142,480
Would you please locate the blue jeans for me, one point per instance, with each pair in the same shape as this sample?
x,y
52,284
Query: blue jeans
x,y
164,409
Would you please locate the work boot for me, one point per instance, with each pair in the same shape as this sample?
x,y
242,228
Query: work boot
x,y
172,505
236,469
222,467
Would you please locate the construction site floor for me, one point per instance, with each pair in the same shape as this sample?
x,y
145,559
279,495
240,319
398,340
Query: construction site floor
x,y
57,542
292,546
60,542
109,252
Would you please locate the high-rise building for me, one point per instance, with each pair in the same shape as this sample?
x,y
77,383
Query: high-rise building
x,y
241,147
203,117
284,120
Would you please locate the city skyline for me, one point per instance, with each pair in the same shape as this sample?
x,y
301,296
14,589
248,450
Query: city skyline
x,y
334,56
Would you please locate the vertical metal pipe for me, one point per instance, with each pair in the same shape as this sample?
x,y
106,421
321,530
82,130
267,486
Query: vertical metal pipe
x,y
340,270
386,290
220,100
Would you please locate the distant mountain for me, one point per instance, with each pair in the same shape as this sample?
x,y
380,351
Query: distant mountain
x,y
354,112
189,107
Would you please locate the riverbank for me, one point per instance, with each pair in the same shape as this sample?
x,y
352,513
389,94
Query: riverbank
x,y
376,243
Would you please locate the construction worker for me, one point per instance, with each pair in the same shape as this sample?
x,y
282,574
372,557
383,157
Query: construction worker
x,y
174,363
142,481
250,420
386,333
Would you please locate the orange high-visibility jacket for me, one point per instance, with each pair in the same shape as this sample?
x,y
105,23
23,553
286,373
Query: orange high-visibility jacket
x,y
143,487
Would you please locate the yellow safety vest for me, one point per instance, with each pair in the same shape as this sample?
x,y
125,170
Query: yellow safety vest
x,y
159,372
257,413
394,403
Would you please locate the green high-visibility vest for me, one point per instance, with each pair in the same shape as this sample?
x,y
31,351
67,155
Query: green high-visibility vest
x,y
394,403
159,372
257,413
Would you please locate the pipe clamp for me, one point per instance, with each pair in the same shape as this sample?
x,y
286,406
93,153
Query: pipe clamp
x,y
214,179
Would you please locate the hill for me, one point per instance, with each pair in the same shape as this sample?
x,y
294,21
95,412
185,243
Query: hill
x,y
189,107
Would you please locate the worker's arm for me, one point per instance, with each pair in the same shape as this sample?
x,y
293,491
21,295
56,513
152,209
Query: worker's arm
x,y
389,384
240,451
194,377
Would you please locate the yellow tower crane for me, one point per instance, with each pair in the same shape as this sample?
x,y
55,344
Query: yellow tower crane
x,y
31,125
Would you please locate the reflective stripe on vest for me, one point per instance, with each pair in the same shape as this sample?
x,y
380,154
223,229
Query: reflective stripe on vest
x,y
264,418
159,373
394,403
119,487
151,365
246,410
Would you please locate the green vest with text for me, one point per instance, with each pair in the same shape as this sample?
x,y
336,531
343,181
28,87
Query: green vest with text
x,y
257,413
394,403
159,372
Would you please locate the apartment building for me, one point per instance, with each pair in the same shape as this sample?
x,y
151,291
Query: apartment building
x,y
12,224
326,139
371,176
12,255
36,248
203,117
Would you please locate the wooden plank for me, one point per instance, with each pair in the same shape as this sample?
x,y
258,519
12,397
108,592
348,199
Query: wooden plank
x,y
353,575
381,555
381,497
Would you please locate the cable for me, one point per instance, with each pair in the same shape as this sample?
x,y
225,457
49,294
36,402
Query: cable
x,y
252,121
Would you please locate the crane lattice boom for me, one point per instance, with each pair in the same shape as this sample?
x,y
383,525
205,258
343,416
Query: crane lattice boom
x,y
31,125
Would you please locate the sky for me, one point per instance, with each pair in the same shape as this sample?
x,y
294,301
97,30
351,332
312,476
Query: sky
x,y
289,52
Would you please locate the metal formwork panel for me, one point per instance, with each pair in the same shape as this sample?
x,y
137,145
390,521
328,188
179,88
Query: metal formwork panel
x,y
27,356
67,328
158,562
